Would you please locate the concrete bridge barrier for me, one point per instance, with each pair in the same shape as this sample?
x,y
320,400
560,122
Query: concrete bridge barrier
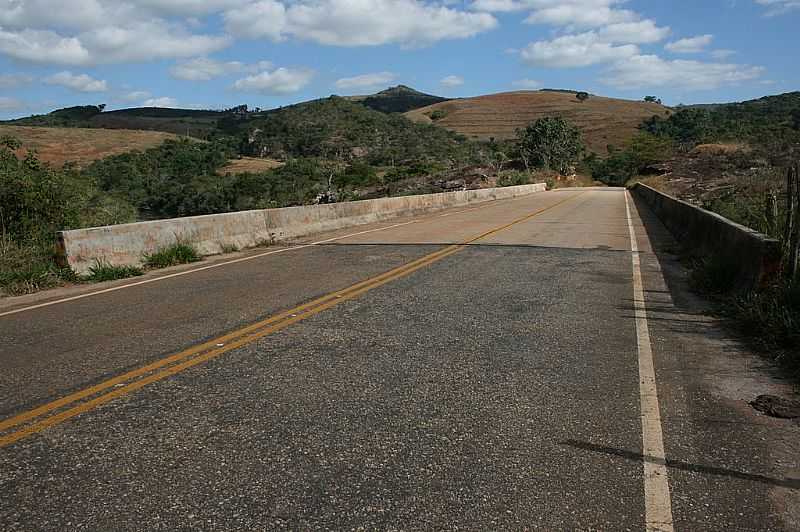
x,y
127,244
753,257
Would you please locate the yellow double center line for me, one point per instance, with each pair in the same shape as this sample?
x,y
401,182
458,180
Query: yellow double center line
x,y
51,414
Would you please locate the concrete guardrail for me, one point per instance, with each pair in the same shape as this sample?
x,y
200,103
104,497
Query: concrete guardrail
x,y
127,244
755,257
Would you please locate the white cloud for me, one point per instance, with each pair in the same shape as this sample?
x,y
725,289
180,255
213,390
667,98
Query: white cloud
x,y
90,32
452,81
135,96
86,32
77,82
366,81
691,45
528,84
638,32
356,22
204,69
43,47
148,41
587,14
723,54
10,104
163,101
280,81
652,71
265,19
570,51
9,81
779,7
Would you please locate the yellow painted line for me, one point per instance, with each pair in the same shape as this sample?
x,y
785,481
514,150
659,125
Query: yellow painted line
x,y
134,380
198,269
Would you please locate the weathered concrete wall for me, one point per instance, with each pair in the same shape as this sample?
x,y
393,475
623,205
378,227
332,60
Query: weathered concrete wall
x,y
127,244
754,257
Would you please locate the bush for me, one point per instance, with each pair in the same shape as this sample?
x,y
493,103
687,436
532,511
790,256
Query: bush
x,y
27,269
178,253
640,152
513,178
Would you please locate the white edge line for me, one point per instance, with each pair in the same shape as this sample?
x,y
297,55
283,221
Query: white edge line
x,y
227,263
200,269
658,503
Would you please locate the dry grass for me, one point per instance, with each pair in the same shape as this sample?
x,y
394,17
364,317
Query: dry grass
x,y
720,149
82,146
603,121
249,164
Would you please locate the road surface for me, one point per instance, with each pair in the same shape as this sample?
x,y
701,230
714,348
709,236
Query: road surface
x,y
534,363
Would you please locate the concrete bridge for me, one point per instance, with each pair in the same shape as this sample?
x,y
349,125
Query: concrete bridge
x,y
529,363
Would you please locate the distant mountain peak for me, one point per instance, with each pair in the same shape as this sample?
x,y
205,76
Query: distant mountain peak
x,y
400,90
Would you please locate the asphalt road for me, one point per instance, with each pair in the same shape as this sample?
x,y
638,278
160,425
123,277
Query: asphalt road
x,y
478,369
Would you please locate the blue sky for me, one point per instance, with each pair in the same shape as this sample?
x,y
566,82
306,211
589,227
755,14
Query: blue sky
x,y
266,53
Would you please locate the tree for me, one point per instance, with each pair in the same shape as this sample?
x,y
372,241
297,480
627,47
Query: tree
x,y
582,96
652,99
551,143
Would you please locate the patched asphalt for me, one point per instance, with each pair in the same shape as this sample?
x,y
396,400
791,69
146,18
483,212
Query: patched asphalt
x,y
494,389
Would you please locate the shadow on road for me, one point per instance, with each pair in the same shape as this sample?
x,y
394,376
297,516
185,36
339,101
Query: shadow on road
x,y
676,464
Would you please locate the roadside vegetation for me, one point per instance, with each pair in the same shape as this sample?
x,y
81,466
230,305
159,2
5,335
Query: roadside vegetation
x,y
731,159
178,253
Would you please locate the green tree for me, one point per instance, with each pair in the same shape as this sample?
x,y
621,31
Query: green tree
x,y
551,143
582,96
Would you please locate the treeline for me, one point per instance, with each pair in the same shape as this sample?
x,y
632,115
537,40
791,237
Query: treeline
x,y
338,128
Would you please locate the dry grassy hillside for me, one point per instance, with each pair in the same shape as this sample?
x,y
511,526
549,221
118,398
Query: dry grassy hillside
x,y
603,121
82,146
249,164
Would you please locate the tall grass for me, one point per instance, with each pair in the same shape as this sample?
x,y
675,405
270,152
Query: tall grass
x,y
178,253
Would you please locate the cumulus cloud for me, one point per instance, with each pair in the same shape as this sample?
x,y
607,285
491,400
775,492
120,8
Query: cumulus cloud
x,y
779,7
527,84
77,82
570,51
89,32
10,104
652,71
614,35
204,68
280,81
37,46
452,81
722,54
691,45
134,96
366,81
265,19
164,101
356,22
637,32
9,81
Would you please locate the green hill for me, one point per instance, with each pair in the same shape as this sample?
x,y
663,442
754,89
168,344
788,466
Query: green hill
x,y
400,99
771,120
339,127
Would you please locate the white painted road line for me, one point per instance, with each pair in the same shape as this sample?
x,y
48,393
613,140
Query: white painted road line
x,y
658,504
200,269
234,261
